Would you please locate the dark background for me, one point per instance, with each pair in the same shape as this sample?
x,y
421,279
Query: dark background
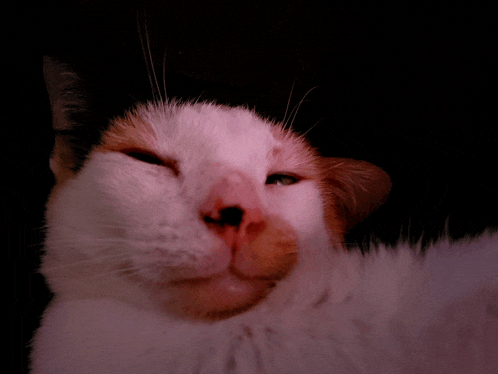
x,y
405,87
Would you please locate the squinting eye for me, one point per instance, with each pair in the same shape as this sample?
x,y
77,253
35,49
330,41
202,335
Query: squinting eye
x,y
281,179
150,158
145,157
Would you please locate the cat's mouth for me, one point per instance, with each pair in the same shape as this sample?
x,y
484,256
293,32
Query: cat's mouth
x,y
256,263
229,273
221,295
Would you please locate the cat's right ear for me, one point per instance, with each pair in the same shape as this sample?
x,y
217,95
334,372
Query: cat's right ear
x,y
352,190
64,100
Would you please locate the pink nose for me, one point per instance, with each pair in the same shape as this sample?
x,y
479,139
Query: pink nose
x,y
233,209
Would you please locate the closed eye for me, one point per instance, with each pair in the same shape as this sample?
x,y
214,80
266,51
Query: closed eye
x,y
145,157
152,159
281,179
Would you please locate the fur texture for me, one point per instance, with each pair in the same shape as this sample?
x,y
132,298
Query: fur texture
x,y
198,238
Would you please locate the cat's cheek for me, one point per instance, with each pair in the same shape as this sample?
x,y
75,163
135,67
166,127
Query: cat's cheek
x,y
268,253
162,265
75,219
135,196
301,206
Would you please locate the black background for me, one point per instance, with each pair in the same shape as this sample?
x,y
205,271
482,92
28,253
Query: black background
x,y
408,88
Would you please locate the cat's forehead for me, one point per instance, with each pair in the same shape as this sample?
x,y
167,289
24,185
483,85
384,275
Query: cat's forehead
x,y
215,129
209,131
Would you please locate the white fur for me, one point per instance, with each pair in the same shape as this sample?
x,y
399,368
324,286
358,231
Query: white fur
x,y
390,322
391,311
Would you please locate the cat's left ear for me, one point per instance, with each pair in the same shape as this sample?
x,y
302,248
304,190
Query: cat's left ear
x,y
64,100
63,92
352,191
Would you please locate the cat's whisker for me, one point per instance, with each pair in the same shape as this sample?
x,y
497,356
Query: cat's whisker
x,y
151,72
311,128
40,228
76,265
95,241
294,111
144,54
35,245
97,248
288,104
152,62
164,76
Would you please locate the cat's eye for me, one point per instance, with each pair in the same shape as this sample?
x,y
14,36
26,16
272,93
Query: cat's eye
x,y
145,157
152,159
281,179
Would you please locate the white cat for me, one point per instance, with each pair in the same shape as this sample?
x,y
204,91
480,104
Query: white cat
x,y
199,238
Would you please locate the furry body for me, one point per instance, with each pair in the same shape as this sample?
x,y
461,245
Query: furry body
x,y
199,238
404,315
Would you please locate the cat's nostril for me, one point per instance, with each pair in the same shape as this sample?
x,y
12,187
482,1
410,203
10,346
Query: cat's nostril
x,y
231,216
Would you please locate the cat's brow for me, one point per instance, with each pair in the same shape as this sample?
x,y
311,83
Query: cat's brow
x,y
276,152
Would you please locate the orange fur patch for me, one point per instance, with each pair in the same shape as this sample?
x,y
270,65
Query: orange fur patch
x,y
129,133
304,159
268,253
295,155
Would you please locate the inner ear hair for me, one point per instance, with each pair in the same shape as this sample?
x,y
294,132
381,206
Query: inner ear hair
x,y
353,189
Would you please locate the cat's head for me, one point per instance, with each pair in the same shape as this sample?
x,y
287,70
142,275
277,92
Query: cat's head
x,y
200,209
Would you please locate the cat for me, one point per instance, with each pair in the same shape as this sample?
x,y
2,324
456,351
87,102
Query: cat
x,y
201,238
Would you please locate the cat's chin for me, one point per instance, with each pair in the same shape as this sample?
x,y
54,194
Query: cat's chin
x,y
220,296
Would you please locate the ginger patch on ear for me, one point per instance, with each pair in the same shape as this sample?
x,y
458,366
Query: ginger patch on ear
x,y
352,190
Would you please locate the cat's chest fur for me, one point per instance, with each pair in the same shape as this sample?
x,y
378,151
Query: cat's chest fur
x,y
390,318
197,238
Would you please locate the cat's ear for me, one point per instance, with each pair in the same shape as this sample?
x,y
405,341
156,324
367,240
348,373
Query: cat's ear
x,y
64,100
62,87
353,190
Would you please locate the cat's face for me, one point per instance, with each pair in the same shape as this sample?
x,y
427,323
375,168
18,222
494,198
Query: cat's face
x,y
180,197
199,209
